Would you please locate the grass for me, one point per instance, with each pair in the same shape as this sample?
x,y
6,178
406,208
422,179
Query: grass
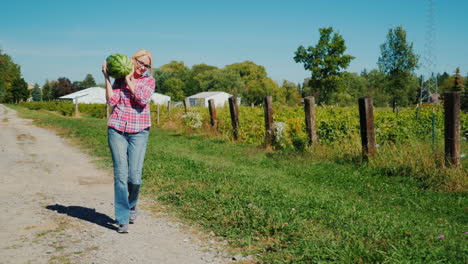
x,y
286,207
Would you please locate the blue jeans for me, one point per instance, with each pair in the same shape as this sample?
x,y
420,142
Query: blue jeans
x,y
128,153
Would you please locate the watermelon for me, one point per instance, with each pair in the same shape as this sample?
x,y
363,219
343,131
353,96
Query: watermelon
x,y
118,66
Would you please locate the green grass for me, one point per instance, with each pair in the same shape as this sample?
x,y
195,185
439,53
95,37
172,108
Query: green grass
x,y
285,208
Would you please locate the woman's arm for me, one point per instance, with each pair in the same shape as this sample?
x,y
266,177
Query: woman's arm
x,y
142,96
109,91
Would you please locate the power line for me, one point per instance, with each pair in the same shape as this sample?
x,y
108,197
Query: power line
x,y
429,79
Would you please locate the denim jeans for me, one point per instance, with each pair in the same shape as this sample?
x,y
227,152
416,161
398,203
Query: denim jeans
x,y
128,153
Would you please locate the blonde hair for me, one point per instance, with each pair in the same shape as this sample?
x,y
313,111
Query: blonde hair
x,y
142,52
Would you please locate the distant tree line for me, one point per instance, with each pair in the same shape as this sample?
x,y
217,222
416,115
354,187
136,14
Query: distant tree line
x,y
244,79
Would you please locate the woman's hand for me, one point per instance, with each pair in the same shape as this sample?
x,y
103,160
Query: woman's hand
x,y
104,70
109,92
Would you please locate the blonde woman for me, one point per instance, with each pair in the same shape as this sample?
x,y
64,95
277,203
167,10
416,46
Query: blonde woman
x,y
128,131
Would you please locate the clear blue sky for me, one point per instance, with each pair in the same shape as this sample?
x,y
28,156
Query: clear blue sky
x,y
52,39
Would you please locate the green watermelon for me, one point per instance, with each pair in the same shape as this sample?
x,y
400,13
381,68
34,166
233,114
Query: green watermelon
x,y
118,66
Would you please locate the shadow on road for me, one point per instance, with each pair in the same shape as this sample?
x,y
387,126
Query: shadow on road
x,y
84,213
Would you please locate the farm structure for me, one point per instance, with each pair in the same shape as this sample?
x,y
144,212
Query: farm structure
x,y
93,95
160,99
201,99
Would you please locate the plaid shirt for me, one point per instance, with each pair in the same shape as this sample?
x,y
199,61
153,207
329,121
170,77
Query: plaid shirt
x,y
131,112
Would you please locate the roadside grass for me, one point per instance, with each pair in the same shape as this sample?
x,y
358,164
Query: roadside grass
x,y
286,207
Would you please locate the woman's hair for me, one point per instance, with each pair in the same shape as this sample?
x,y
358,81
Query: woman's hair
x,y
142,52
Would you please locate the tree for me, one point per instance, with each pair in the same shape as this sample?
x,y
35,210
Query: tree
x,y
376,87
350,88
257,84
398,62
457,85
9,73
77,86
87,82
442,77
256,90
193,83
63,87
161,75
19,91
47,91
220,80
175,88
36,93
291,93
325,61
179,71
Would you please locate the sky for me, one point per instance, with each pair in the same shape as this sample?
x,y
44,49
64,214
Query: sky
x,y
52,39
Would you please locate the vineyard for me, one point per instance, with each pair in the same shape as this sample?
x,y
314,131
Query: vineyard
x,y
410,142
334,124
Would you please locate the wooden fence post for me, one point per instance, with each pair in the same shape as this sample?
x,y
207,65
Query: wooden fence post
x,y
77,111
269,130
234,116
309,109
452,128
366,118
168,107
214,121
107,111
186,104
157,117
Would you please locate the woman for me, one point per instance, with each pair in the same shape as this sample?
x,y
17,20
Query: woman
x,y
128,130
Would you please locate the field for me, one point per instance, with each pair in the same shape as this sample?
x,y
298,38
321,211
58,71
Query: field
x,y
296,207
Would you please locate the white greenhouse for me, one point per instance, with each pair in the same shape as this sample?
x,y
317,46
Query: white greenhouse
x,y
201,99
93,95
160,99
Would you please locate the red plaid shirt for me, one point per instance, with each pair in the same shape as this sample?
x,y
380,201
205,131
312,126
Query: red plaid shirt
x,y
131,112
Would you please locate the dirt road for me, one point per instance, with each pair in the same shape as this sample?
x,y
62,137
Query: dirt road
x,y
57,208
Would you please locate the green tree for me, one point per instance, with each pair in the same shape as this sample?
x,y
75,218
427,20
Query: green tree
x,y
18,91
398,62
376,87
291,93
88,82
36,93
220,80
77,86
179,71
325,61
248,71
47,91
256,90
350,88
257,84
193,83
442,77
175,88
161,76
457,85
9,73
